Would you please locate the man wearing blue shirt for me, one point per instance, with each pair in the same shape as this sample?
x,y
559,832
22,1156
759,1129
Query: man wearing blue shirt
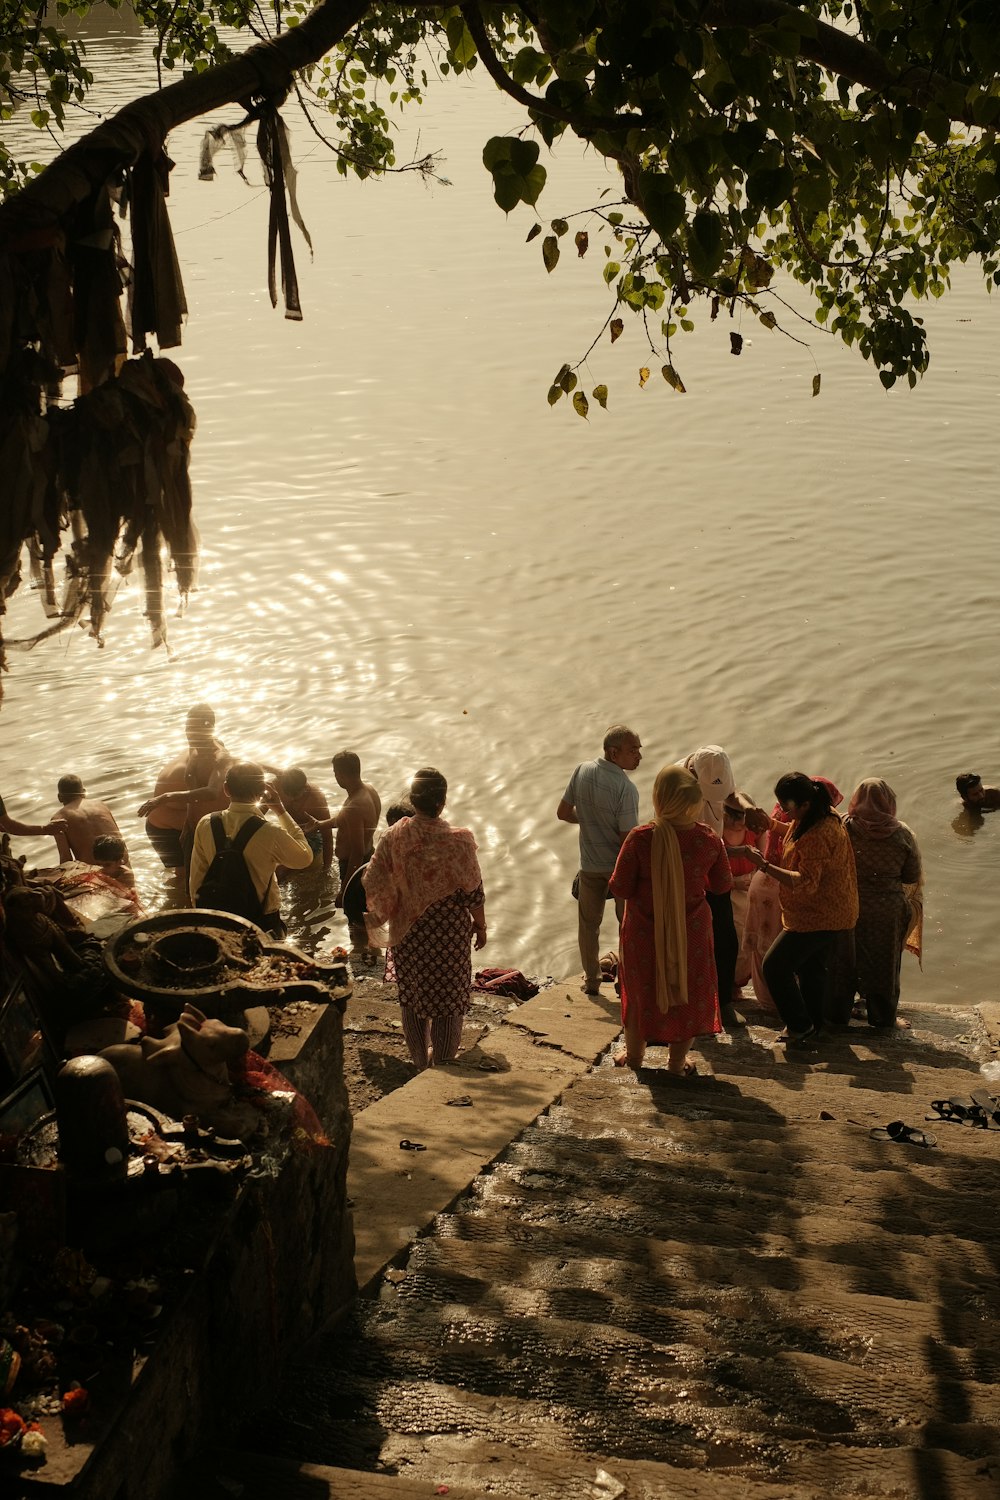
x,y
604,803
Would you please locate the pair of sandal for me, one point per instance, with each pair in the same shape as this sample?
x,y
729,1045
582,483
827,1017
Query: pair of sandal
x,y
981,1109
902,1134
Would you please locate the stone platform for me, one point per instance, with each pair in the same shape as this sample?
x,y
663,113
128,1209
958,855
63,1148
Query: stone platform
x,y
721,1287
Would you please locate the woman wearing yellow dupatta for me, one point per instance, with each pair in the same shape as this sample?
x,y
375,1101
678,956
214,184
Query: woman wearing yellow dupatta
x,y
669,989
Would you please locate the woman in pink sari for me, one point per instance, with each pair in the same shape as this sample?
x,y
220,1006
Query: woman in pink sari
x,y
424,882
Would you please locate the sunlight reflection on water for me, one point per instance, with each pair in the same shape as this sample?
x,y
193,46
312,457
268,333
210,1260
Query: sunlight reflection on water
x,y
405,550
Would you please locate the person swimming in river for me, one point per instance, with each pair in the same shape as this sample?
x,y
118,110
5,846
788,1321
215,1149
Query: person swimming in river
x,y
976,797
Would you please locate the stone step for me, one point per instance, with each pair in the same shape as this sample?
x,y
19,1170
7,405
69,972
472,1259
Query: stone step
x,y
817,1316
883,1265
659,1171
679,1289
476,1469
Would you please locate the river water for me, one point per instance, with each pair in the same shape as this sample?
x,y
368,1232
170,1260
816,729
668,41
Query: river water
x,y
406,551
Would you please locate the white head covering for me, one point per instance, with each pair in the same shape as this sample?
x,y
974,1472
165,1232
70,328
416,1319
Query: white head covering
x,y
715,776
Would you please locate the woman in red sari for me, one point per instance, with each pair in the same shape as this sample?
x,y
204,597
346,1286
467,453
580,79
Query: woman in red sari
x,y
424,882
669,988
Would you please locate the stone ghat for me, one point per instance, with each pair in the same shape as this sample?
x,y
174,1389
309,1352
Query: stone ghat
x,y
712,1289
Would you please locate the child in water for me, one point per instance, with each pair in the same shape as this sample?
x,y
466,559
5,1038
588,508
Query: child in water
x,y
109,857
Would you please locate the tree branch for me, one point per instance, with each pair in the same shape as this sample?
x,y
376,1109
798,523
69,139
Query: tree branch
x,y
264,70
839,53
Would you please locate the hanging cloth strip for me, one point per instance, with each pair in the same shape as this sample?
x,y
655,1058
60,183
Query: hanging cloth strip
x,y
156,301
272,143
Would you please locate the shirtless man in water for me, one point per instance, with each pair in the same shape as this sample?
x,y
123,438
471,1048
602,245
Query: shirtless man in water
x,y
187,789
80,820
976,797
355,822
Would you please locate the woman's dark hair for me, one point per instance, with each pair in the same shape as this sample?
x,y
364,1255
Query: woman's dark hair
x,y
963,783
428,792
796,786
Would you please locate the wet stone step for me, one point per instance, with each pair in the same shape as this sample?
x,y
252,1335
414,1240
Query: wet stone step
x,y
609,1170
862,1330
816,1146
961,1274
613,1394
971,1153
699,1215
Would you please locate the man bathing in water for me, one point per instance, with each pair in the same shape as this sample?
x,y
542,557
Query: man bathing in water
x,y
355,823
186,789
307,805
79,820
976,797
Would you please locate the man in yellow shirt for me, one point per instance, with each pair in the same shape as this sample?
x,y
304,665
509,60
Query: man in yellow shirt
x,y
269,845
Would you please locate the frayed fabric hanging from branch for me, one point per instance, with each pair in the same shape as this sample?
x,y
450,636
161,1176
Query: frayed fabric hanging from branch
x,y
105,478
113,470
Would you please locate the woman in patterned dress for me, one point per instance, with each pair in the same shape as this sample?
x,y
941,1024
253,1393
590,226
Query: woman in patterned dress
x,y
889,905
423,880
669,988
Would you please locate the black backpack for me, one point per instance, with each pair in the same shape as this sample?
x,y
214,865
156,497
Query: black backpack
x,y
228,884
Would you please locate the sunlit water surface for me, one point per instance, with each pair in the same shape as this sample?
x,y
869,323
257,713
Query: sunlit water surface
x,y
406,551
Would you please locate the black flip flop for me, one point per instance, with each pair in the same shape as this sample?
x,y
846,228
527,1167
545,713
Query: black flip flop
x,y
955,1110
903,1134
412,1146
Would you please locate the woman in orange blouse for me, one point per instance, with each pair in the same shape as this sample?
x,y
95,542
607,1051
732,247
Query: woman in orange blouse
x,y
818,888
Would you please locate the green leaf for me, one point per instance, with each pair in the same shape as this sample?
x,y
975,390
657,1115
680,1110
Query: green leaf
x,y
581,405
611,270
555,393
600,395
550,252
460,43
533,233
567,379
664,206
817,382
674,381
528,65
768,319
560,227
705,242
517,177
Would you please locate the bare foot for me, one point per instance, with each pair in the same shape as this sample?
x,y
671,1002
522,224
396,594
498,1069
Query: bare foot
x,y
621,1060
904,1024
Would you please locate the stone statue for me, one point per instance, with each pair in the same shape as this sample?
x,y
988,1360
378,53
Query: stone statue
x,y
185,1072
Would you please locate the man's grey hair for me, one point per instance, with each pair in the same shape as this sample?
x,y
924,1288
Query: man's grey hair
x,y
617,735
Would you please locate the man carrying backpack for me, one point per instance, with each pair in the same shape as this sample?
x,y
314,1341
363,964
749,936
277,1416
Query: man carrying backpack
x,y
236,852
